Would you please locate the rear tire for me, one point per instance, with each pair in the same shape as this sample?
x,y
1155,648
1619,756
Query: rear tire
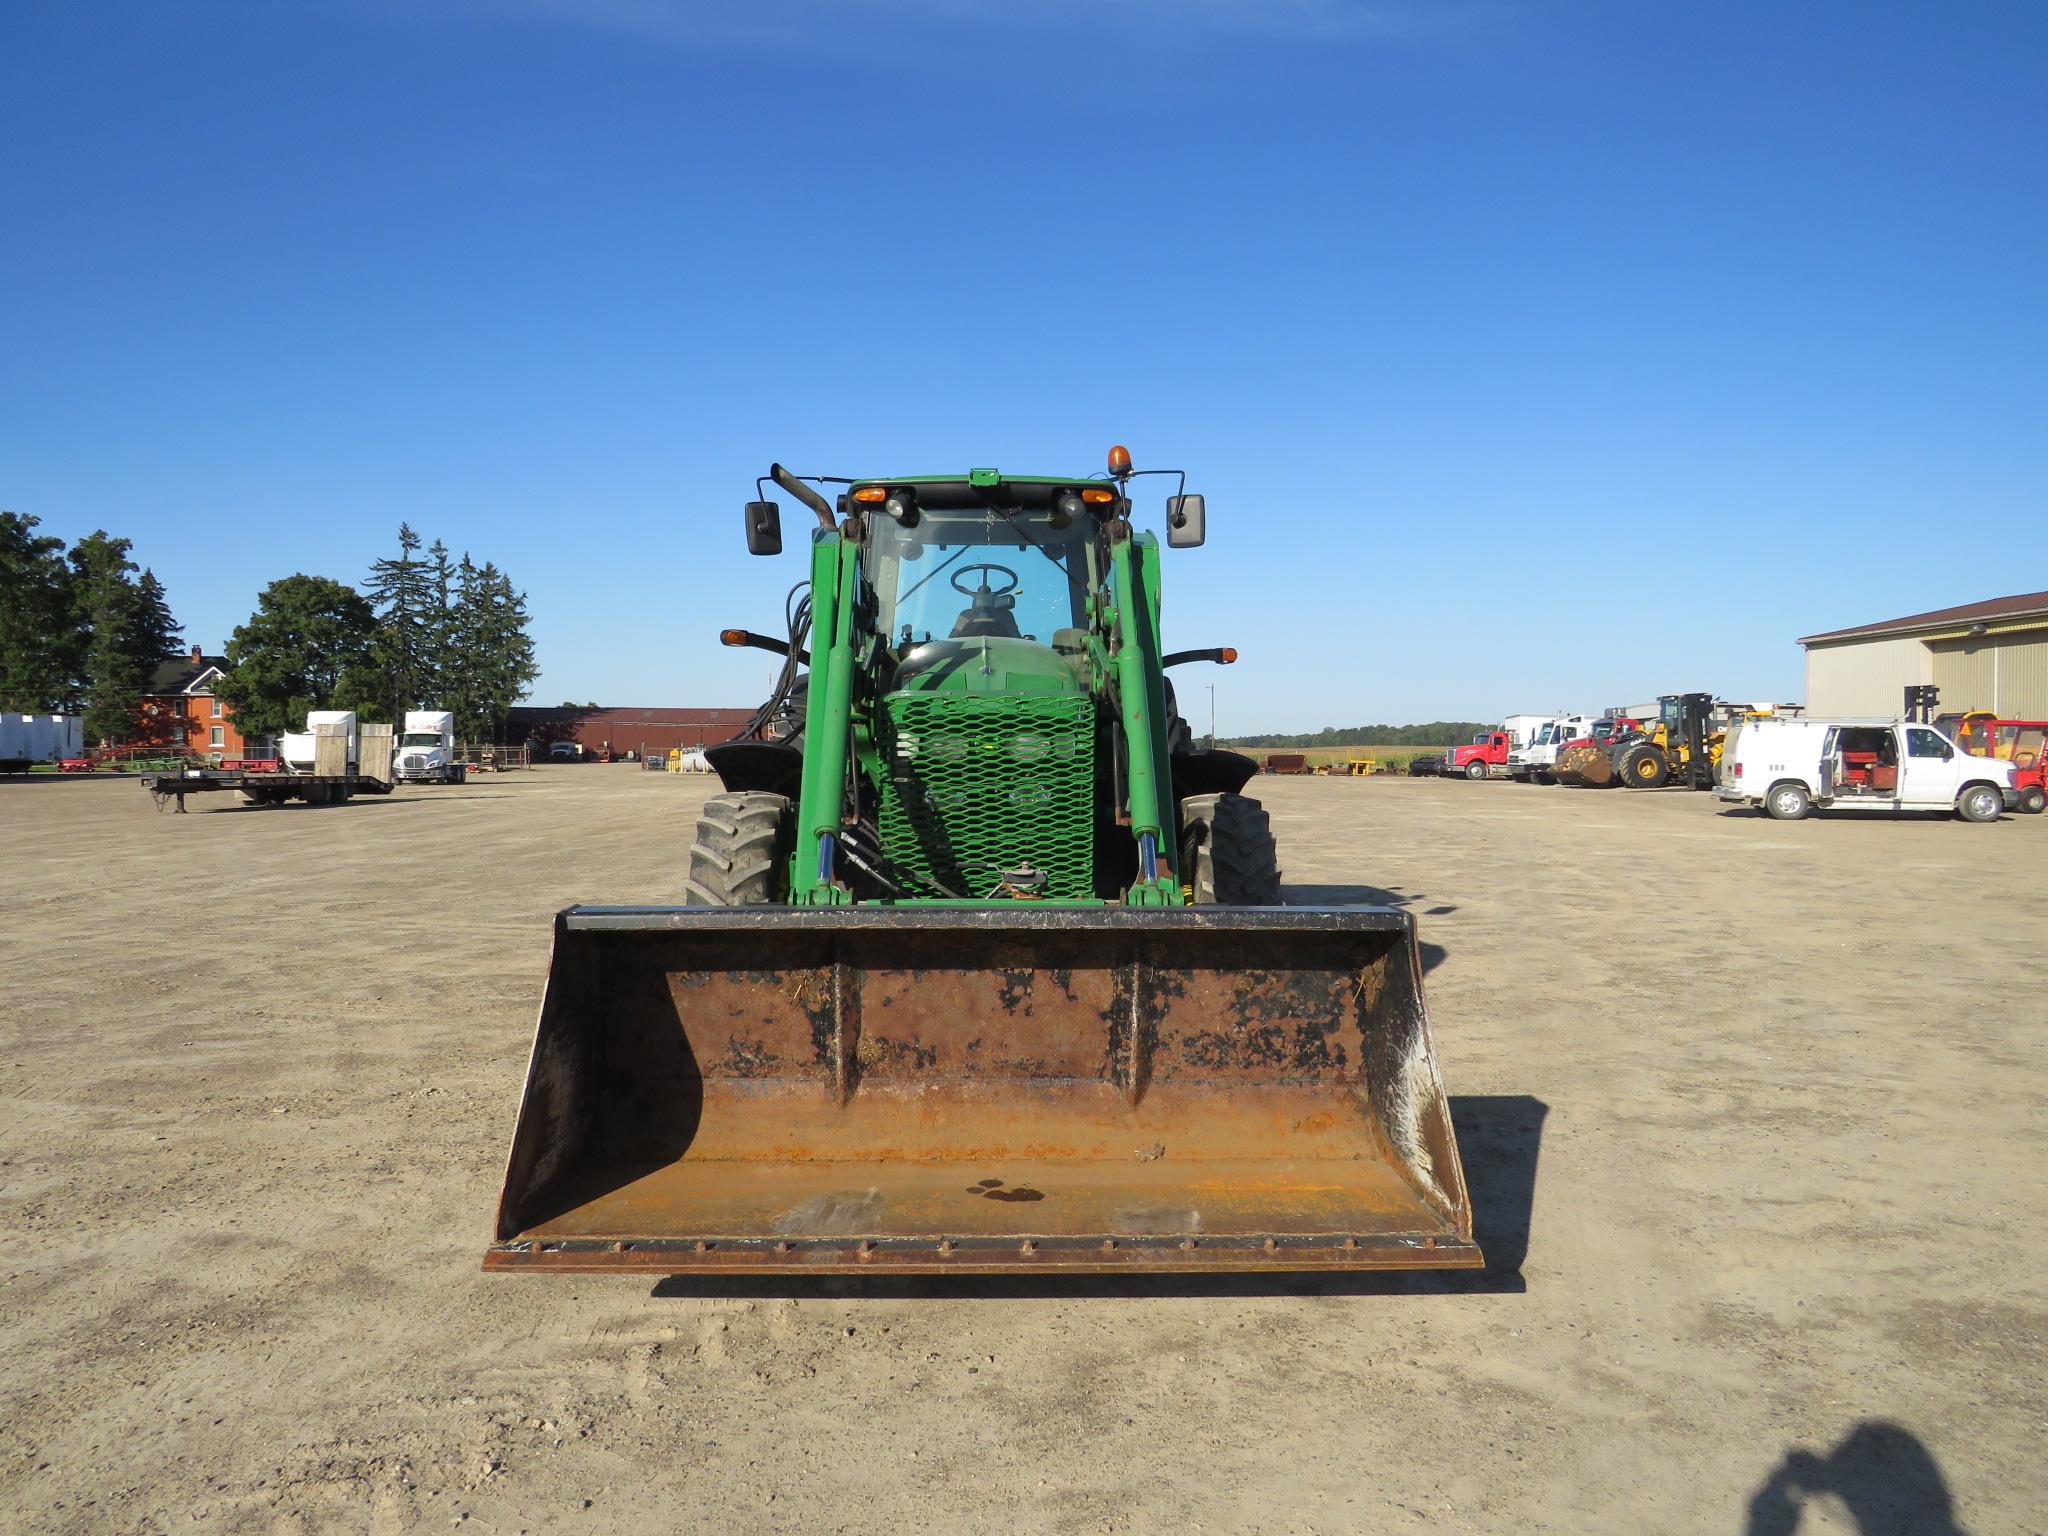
x,y
1644,767
1980,802
741,855
1228,855
1788,802
2033,800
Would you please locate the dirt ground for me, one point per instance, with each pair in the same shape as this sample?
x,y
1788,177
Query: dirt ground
x,y
1753,1114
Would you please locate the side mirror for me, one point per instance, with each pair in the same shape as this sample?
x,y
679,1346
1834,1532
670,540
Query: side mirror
x,y
764,528
1184,522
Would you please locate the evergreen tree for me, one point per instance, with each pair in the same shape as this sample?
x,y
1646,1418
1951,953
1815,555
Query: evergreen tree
x,y
441,637
41,644
490,654
408,634
462,680
310,644
108,606
154,636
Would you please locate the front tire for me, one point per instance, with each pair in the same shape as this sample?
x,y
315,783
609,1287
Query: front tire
x,y
741,854
1475,770
1788,802
1228,855
1980,802
1644,767
2033,800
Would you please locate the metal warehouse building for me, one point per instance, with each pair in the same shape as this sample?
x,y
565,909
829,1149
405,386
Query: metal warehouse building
x,y
1989,655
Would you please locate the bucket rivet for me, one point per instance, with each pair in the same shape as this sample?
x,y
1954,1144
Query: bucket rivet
x,y
782,1247
945,1245
1028,1247
1109,1245
702,1246
534,1246
618,1247
1272,1246
1350,1242
867,1250
1187,1242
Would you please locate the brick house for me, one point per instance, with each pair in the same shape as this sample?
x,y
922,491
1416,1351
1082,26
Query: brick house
x,y
180,712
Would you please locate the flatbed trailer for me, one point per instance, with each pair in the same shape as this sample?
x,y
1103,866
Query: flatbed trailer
x,y
262,788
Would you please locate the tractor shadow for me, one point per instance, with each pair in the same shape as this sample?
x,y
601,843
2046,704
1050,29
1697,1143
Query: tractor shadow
x,y
1499,1139
1433,955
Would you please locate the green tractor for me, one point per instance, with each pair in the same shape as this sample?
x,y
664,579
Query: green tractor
x,y
983,964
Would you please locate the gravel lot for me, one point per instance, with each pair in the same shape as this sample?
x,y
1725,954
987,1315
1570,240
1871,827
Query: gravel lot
x,y
1753,1115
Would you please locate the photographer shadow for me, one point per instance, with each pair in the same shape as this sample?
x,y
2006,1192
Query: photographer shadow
x,y
1882,1474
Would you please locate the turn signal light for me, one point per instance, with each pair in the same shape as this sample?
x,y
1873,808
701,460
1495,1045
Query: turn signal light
x,y
872,493
1227,655
732,637
1098,495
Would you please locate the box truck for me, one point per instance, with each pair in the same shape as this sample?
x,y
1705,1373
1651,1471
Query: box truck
x,y
29,739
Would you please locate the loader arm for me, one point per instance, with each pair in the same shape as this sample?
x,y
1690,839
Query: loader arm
x,y
1141,695
828,721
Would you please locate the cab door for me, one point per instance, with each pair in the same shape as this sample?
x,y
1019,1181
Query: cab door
x,y
1927,772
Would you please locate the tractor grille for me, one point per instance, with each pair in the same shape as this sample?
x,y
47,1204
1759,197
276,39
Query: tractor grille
x,y
975,787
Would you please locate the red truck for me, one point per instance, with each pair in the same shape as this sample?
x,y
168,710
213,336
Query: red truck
x,y
1482,757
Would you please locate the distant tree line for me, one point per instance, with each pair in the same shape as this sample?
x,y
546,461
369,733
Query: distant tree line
x,y
81,630
424,633
1434,733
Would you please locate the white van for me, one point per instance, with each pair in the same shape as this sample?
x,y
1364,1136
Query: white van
x,y
1790,766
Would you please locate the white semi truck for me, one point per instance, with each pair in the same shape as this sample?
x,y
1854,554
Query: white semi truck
x,y
1534,759
426,749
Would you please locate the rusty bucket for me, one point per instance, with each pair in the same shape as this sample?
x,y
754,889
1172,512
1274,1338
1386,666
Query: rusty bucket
x,y
983,1090
1588,765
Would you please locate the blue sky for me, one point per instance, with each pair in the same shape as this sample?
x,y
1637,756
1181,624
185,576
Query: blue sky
x,y
1529,354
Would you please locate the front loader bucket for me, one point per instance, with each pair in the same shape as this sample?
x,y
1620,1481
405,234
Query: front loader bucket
x,y
920,1090
1590,766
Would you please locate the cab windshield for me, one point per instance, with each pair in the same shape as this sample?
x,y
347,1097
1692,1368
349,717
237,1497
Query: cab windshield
x,y
985,573
419,739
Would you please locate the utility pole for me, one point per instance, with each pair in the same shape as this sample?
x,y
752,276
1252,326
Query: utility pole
x,y
1212,717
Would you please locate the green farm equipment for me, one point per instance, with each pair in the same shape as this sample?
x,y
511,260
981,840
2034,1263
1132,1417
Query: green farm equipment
x,y
983,966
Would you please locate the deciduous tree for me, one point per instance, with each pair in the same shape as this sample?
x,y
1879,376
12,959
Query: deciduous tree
x,y
40,650
309,645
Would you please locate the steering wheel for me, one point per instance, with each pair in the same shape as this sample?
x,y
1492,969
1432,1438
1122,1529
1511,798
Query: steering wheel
x,y
984,588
